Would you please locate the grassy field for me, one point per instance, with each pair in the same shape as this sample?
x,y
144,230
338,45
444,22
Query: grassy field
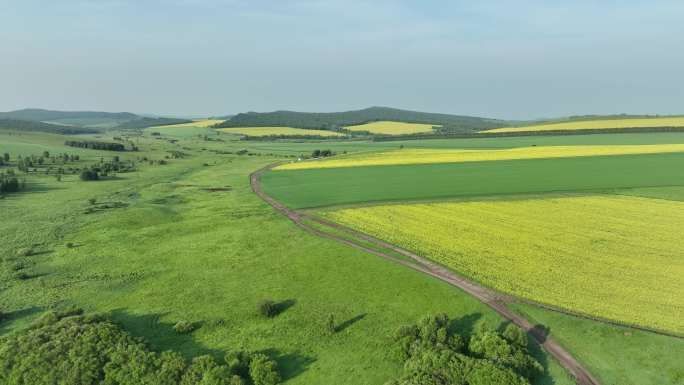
x,y
592,254
617,355
392,128
353,185
201,123
270,131
189,241
677,121
430,156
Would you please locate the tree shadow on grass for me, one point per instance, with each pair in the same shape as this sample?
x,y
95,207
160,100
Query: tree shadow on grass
x,y
349,322
464,326
282,306
290,365
161,335
10,317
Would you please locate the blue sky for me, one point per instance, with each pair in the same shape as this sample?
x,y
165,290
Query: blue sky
x,y
506,59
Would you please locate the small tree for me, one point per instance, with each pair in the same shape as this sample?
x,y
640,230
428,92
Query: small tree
x,y
268,308
330,324
183,327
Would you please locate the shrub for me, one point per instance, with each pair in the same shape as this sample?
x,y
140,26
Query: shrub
x,y
27,252
87,175
183,327
263,371
70,245
268,308
92,201
330,324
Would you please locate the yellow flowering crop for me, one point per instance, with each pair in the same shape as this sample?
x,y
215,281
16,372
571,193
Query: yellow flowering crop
x,y
266,131
392,128
425,156
616,257
677,121
197,124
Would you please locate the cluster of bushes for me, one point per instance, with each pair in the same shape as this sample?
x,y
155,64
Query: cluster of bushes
x,y
104,168
24,164
322,153
95,145
435,354
76,349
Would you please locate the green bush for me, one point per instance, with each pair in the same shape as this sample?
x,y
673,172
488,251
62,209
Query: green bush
x,y
263,371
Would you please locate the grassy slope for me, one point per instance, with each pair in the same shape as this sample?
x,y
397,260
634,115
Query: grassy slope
x,y
180,252
321,187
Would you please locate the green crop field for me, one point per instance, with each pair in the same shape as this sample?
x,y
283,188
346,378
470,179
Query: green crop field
x,y
353,185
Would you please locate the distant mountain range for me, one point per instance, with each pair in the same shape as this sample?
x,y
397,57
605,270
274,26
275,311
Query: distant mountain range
x,y
333,120
71,122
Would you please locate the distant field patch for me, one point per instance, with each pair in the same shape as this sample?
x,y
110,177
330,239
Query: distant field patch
x,y
203,123
429,156
597,124
617,257
392,128
270,131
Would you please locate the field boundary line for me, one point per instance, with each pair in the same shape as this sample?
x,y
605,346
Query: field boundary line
x,y
485,295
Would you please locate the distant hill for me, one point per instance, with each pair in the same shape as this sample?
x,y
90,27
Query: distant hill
x,y
89,119
27,125
150,122
333,120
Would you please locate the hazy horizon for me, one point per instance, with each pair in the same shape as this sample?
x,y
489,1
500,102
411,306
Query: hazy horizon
x,y
526,60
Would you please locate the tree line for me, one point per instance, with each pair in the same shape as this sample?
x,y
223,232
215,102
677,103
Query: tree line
x,y
69,347
95,145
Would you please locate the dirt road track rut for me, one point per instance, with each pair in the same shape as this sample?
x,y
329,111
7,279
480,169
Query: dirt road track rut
x,y
494,300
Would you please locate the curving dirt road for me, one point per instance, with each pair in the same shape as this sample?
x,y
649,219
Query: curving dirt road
x,y
494,300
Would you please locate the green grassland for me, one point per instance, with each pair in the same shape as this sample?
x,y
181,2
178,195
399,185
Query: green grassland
x,y
325,187
189,241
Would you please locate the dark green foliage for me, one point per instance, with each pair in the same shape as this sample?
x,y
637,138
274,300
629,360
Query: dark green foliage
x,y
88,175
25,125
9,183
71,348
268,308
183,327
95,145
321,153
150,122
6,157
435,354
337,120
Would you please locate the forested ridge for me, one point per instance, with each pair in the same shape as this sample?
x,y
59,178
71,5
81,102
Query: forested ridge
x,y
27,125
336,120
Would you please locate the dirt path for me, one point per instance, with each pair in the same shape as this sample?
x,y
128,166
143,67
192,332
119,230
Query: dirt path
x,y
494,300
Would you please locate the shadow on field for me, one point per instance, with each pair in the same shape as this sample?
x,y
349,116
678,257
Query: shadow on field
x,y
290,365
349,322
161,335
282,306
465,326
7,318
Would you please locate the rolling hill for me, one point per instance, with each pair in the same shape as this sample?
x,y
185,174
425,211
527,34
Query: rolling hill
x,y
332,120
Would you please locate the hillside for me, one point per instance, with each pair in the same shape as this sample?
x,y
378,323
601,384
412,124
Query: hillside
x,y
331,120
26,125
88,119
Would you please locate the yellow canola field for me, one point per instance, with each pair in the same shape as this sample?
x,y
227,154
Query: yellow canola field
x,y
204,123
392,128
426,156
677,121
615,257
266,131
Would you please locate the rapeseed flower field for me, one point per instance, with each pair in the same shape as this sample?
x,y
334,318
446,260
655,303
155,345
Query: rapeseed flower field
x,y
596,255
677,121
392,128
